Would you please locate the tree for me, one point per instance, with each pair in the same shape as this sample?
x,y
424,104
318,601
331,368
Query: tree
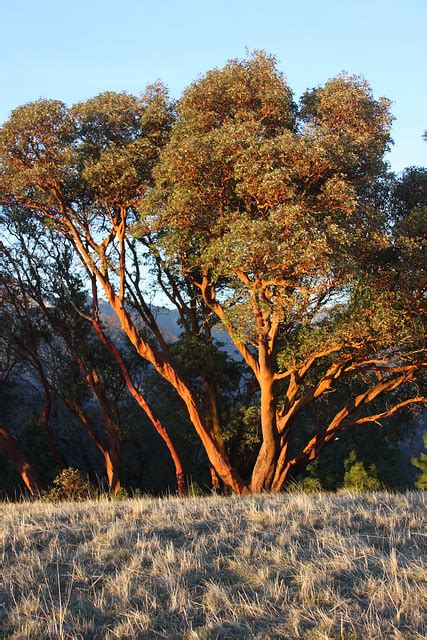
x,y
85,171
264,215
43,274
23,331
10,446
277,215
9,443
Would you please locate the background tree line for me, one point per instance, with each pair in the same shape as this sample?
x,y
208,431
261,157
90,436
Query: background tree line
x,y
276,233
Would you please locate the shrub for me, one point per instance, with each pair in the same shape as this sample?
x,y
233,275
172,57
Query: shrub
x,y
357,477
310,482
309,485
70,484
421,463
122,494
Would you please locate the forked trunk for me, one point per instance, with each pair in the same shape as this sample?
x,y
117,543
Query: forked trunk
x,y
227,473
12,449
265,465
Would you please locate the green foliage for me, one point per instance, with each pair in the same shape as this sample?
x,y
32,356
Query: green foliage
x,y
421,464
242,435
309,484
357,477
70,484
199,358
101,150
122,494
253,189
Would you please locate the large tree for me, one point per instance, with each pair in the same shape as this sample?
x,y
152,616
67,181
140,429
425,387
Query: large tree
x,y
273,214
281,216
84,172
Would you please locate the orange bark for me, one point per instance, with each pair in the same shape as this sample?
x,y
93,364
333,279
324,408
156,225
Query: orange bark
x,y
316,444
167,371
158,425
262,475
86,422
11,447
162,365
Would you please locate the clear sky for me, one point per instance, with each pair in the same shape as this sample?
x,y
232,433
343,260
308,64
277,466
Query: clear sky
x,y
71,50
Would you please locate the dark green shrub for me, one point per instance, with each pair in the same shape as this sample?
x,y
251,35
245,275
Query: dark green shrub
x,y
421,463
357,477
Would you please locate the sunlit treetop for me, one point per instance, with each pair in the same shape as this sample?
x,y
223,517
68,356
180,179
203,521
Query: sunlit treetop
x,y
101,150
261,186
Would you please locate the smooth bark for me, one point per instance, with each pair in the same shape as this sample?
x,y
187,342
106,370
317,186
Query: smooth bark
x,y
12,449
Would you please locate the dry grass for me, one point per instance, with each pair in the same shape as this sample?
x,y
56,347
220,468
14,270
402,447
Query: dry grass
x,y
290,566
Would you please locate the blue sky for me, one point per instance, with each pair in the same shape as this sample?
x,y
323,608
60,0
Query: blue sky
x,y
74,50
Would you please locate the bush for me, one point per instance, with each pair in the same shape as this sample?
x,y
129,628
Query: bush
x,y
309,485
70,484
357,477
122,494
421,463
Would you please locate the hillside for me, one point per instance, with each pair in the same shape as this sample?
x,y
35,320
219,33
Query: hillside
x,y
290,566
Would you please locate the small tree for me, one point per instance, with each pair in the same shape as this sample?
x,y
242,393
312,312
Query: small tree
x,y
70,484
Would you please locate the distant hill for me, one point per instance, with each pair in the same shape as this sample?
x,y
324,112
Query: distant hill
x,y
168,321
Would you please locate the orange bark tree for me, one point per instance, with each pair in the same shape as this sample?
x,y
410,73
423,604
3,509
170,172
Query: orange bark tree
x,y
84,172
22,330
271,212
56,351
10,446
279,215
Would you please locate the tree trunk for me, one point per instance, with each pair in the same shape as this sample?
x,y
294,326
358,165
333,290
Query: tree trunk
x,y
113,469
213,413
114,458
227,473
214,424
82,416
47,410
263,473
158,425
11,447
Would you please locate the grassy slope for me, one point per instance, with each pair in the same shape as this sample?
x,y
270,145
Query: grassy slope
x,y
291,566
